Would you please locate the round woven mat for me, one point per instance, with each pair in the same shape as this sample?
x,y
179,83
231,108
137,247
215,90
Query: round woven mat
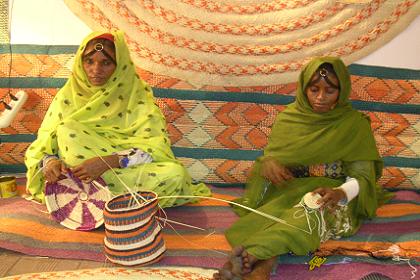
x,y
75,204
246,43
4,22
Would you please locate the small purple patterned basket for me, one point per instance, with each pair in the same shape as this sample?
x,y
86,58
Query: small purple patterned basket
x,y
132,234
76,204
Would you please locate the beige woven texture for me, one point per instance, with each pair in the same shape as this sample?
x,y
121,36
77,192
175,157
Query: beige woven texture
x,y
4,22
246,43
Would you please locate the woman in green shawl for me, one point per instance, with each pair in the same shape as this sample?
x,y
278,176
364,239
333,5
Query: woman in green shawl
x,y
105,117
318,145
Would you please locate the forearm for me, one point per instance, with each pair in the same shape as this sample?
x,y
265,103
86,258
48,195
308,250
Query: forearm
x,y
111,161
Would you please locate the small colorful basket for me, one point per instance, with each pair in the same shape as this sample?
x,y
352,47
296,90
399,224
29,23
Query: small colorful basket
x,y
133,235
76,204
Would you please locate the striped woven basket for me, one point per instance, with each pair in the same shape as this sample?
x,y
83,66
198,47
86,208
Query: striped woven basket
x,y
132,234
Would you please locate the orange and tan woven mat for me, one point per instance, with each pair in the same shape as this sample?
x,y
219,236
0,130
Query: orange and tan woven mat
x,y
242,43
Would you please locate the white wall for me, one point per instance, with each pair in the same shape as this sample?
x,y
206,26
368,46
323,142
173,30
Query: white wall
x,y
54,24
403,51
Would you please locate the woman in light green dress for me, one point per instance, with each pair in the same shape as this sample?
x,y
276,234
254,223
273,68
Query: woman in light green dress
x,y
318,145
105,116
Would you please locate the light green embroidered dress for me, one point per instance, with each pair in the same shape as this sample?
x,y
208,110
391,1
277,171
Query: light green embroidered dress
x,y
301,137
84,121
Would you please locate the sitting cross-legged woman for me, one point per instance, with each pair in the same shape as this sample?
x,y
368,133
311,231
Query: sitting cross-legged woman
x,y
105,117
318,145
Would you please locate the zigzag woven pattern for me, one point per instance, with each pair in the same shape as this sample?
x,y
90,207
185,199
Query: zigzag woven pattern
x,y
251,43
217,132
234,125
401,91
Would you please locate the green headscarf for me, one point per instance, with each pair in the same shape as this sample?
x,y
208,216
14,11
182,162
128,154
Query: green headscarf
x,y
122,111
300,136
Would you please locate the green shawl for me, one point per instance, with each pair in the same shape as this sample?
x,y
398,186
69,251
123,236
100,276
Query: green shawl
x,y
121,111
300,136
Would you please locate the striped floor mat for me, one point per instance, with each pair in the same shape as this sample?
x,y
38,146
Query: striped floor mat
x,y
26,227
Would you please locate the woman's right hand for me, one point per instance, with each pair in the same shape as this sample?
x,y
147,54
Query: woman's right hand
x,y
275,172
53,170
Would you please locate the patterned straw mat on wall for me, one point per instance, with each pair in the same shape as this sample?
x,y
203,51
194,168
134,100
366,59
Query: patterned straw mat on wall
x,y
242,43
218,131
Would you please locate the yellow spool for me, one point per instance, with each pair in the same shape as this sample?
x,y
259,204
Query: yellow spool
x,y
7,186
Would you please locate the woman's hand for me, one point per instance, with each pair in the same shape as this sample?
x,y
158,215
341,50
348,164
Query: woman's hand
x,y
53,170
330,197
92,168
275,172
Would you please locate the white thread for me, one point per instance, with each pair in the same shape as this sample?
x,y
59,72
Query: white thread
x,y
320,223
165,220
134,196
203,197
100,186
322,228
121,181
240,205
192,243
395,249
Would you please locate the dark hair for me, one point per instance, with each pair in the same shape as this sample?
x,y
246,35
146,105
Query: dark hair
x,y
328,70
105,43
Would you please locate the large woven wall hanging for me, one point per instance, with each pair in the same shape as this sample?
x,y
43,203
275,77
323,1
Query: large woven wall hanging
x,y
246,43
4,22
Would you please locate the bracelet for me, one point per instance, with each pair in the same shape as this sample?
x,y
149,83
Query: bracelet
x,y
47,159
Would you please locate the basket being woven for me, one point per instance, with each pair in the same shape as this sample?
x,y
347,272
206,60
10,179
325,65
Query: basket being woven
x,y
75,204
132,234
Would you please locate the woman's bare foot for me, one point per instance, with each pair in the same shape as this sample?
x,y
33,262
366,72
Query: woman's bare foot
x,y
247,262
233,267
240,263
261,270
237,261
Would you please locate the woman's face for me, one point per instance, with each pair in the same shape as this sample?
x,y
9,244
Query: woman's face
x,y
321,95
98,67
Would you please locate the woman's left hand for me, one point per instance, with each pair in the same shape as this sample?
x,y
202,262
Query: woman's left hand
x,y
330,197
90,169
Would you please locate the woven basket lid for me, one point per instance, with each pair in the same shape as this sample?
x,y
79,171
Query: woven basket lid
x,y
76,204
